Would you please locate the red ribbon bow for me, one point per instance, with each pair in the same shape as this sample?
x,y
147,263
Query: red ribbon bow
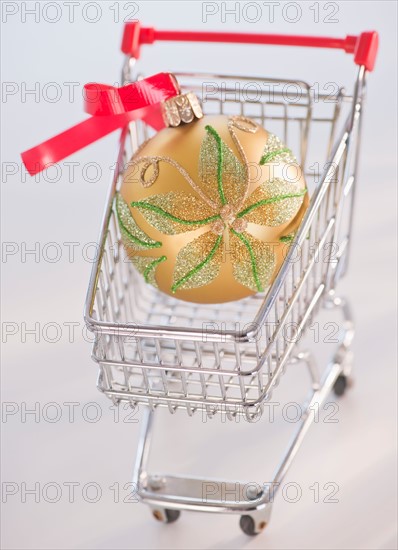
x,y
111,108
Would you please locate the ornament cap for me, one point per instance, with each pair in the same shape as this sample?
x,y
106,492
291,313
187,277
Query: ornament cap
x,y
181,109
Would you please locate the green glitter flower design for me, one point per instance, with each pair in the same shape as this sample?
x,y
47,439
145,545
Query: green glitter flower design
x,y
225,211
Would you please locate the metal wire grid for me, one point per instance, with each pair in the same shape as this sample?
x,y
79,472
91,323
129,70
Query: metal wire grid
x,y
155,349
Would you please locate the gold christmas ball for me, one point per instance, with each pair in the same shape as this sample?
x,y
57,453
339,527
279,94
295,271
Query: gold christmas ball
x,y
207,209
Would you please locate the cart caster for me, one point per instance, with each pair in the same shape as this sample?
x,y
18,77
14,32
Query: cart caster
x,y
341,384
249,527
166,516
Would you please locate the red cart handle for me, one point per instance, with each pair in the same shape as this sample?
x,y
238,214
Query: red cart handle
x,y
364,47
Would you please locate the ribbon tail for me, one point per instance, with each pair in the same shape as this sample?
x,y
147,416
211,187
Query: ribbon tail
x,y
79,136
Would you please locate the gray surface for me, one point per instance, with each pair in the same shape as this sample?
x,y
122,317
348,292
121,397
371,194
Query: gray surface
x,y
358,453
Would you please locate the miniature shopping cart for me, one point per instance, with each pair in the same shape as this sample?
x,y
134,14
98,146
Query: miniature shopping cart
x,y
228,359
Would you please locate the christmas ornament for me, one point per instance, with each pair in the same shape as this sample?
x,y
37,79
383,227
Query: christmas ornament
x,y
207,208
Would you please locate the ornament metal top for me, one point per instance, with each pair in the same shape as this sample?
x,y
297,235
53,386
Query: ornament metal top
x,y
183,108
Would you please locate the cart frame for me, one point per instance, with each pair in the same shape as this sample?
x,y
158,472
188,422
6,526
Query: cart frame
x,y
179,363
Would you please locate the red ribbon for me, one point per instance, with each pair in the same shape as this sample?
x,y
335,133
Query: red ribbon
x,y
111,108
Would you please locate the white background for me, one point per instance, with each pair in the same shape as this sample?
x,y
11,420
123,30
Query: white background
x,y
358,453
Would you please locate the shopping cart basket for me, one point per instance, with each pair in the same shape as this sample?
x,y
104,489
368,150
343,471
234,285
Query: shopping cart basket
x,y
158,351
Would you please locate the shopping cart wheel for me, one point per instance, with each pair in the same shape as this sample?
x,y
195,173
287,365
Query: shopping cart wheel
x,y
166,516
340,385
249,527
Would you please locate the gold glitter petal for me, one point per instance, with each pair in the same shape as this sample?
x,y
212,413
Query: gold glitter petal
x,y
198,263
163,212
133,237
273,145
234,173
253,261
275,213
148,169
146,265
